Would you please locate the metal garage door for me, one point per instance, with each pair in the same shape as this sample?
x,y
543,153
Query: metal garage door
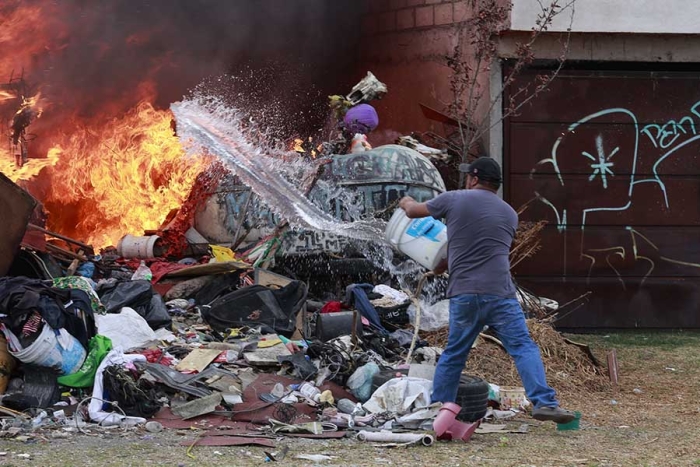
x,y
612,158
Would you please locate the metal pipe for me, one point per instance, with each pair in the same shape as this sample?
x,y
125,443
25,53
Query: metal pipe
x,y
62,237
390,437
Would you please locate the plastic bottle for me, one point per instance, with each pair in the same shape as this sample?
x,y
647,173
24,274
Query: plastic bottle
x,y
309,390
39,419
143,272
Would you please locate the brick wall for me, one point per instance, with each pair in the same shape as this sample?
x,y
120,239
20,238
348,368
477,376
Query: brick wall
x,y
399,15
405,44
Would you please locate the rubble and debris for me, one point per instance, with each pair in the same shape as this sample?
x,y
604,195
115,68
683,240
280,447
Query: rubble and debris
x,y
198,407
216,338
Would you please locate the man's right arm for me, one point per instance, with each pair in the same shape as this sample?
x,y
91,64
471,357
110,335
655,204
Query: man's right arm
x,y
413,208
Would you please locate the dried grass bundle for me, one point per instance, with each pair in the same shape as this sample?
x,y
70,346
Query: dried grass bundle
x,y
568,368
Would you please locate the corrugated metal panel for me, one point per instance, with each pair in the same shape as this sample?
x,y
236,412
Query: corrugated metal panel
x,y
612,158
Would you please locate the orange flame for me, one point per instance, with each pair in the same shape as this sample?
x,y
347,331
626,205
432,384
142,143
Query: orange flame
x,y
98,177
30,169
35,101
125,177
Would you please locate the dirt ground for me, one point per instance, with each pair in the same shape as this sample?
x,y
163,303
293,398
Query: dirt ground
x,y
652,419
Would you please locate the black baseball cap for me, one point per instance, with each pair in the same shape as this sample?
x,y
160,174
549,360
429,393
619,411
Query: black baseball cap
x,y
485,168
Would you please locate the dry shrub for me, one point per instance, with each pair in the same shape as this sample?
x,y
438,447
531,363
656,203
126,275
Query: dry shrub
x,y
569,370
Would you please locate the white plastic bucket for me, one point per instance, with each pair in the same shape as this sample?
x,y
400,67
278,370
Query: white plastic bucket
x,y
131,246
423,240
62,352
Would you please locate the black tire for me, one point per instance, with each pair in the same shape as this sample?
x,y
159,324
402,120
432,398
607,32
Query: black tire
x,y
472,394
473,397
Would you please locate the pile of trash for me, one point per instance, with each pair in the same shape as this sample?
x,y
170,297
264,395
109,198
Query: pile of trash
x,y
227,347
213,339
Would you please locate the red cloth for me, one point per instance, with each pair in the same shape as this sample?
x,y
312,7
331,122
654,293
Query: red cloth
x,y
161,268
332,307
156,356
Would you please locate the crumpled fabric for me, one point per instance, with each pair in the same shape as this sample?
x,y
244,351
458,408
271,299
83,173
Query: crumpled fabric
x,y
390,295
332,307
85,376
115,357
161,268
60,308
84,284
357,294
400,396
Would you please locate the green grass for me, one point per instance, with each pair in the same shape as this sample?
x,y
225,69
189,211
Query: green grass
x,y
654,339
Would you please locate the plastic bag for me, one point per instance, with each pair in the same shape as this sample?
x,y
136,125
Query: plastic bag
x,y
360,383
99,347
400,396
222,254
143,272
139,296
432,317
127,329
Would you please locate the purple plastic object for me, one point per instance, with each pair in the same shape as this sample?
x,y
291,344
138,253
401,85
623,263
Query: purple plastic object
x,y
447,427
361,119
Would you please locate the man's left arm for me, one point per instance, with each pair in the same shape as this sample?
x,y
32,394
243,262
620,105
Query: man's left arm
x,y
413,208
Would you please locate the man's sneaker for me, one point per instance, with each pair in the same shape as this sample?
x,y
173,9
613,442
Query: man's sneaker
x,y
553,414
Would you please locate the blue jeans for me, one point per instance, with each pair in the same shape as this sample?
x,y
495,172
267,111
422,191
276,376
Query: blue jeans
x,y
468,315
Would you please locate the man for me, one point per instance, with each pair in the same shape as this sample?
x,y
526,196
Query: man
x,y
480,231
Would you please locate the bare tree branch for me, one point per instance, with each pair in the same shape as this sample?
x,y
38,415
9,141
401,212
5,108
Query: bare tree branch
x,y
482,31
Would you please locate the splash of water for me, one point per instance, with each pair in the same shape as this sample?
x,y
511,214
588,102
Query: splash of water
x,y
207,123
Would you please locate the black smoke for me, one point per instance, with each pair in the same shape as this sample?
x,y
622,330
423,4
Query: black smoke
x,y
102,57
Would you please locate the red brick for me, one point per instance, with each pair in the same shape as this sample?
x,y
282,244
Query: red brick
x,y
406,18
462,11
431,2
443,14
397,4
416,2
424,16
387,21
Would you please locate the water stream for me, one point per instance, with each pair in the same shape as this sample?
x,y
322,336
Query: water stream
x,y
208,124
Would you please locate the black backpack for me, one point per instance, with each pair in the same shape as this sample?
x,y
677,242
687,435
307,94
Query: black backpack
x,y
273,309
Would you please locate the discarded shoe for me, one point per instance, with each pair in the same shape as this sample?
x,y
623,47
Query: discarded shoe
x,y
553,414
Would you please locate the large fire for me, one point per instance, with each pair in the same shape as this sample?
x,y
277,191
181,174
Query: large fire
x,y
121,177
100,176
102,157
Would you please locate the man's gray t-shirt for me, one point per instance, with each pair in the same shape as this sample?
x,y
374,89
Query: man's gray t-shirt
x,y
480,231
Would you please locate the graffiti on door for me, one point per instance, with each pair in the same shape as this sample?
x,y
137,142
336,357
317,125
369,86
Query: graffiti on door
x,y
608,157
